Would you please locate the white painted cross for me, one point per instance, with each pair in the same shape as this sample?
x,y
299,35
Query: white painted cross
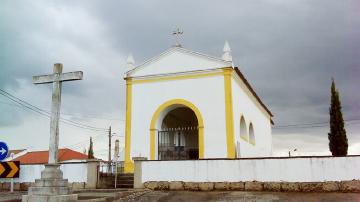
x,y
56,78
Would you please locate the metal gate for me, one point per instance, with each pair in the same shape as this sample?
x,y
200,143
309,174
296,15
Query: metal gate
x,y
178,143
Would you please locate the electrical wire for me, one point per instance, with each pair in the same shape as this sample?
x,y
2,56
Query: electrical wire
x,y
81,142
80,116
314,125
40,111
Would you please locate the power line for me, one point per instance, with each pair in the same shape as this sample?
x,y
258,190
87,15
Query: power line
x,y
313,125
81,142
91,116
33,108
38,110
104,150
10,104
80,116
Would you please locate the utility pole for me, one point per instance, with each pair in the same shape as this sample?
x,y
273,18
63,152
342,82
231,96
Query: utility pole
x,y
109,149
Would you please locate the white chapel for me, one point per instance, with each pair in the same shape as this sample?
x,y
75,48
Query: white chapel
x,y
183,104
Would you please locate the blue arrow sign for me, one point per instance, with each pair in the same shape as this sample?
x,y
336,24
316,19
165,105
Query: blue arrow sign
x,y
4,150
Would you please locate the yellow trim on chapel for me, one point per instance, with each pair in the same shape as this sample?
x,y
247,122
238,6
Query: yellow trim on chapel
x,y
163,107
230,142
129,165
227,72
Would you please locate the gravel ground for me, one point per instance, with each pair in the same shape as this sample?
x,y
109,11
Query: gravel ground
x,y
188,196
237,196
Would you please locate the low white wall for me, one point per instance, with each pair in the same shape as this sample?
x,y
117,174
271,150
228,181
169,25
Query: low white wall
x,y
295,169
74,172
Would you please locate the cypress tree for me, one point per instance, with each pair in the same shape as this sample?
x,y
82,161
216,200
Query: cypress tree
x,y
91,151
338,143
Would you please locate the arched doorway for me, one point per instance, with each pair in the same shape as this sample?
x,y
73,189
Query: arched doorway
x,y
178,135
177,131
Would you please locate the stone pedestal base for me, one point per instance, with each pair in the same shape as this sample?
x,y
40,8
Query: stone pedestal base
x,y
51,187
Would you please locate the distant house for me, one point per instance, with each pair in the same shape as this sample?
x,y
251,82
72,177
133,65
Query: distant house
x,y
80,171
41,157
13,154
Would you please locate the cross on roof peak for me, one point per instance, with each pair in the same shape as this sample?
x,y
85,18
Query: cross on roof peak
x,y
177,34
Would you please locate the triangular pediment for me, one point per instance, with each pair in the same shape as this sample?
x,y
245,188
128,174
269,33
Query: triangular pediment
x,y
177,60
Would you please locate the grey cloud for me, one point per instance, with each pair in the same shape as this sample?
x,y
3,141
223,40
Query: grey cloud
x,y
288,50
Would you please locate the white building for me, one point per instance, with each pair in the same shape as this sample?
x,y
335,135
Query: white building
x,y
183,104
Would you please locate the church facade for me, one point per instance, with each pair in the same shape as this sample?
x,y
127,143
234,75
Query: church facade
x,y
183,104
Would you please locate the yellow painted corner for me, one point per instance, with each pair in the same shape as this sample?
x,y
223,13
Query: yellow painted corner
x,y
229,113
129,167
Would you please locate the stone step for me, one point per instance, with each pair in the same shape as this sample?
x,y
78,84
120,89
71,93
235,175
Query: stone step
x,y
125,186
51,182
126,174
125,178
49,190
124,181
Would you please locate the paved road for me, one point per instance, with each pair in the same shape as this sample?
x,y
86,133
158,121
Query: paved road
x,y
10,197
237,196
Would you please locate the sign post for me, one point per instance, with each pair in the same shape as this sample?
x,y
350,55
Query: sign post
x,y
8,169
12,185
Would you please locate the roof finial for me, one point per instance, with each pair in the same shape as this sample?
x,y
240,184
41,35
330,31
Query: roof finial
x,y
177,33
227,52
130,62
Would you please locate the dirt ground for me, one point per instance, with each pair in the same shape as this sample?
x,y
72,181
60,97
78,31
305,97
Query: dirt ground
x,y
238,196
188,196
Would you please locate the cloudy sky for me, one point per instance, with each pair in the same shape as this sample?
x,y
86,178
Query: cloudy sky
x,y
288,50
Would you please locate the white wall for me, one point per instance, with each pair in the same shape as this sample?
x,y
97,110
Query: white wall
x,y
207,94
74,172
244,104
304,169
178,59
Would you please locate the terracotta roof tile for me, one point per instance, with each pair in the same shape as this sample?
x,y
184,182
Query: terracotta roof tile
x,y
41,157
15,151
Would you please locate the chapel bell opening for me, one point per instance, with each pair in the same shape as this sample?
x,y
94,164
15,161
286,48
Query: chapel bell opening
x,y
178,138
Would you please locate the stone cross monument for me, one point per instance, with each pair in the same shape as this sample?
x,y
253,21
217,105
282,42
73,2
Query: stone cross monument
x,y
52,186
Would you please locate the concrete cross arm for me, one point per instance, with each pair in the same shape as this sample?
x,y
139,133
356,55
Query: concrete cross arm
x,y
69,76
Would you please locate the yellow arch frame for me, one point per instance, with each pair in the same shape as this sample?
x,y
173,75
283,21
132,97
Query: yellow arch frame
x,y
168,104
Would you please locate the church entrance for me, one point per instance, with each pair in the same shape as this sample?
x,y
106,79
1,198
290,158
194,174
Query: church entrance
x,y
178,137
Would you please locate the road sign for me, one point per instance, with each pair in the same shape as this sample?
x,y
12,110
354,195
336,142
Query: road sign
x,y
9,169
4,150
